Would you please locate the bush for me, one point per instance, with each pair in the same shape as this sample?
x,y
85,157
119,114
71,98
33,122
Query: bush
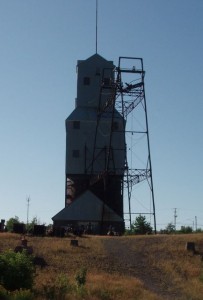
x,y
15,295
4,293
16,270
80,277
22,295
58,289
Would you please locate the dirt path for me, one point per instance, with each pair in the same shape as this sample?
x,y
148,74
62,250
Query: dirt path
x,y
132,260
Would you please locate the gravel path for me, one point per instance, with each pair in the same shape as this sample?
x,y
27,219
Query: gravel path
x,y
133,261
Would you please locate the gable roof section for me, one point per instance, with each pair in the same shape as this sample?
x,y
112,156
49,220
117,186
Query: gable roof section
x,y
80,113
87,207
90,114
95,57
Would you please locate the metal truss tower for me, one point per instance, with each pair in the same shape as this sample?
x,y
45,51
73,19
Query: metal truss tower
x,y
130,96
124,90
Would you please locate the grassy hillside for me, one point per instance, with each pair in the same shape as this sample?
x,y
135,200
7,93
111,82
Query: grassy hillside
x,y
133,267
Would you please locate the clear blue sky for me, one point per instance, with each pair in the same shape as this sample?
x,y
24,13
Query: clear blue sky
x,y
40,43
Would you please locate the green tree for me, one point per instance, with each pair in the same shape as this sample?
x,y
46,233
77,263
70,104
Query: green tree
x,y
186,229
141,226
10,222
170,228
30,226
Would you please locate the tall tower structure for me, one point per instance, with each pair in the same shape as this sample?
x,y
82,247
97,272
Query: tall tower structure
x,y
95,152
130,97
98,174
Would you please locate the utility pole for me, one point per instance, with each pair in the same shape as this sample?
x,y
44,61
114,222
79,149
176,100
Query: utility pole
x,y
195,223
28,207
175,217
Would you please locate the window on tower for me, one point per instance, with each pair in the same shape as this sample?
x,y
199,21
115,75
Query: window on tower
x,y
86,81
106,81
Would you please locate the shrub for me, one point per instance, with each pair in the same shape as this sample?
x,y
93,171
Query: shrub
x,y
16,270
80,277
57,289
15,295
3,293
22,295
62,286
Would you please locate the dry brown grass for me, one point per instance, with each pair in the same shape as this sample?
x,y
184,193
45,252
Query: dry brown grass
x,y
180,271
133,267
111,286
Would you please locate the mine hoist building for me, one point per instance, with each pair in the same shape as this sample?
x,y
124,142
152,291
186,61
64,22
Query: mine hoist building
x,y
98,176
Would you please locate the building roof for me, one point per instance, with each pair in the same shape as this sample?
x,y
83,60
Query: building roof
x,y
87,207
94,57
90,114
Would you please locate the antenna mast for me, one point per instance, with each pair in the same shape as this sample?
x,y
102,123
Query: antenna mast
x,y
175,217
96,22
28,206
